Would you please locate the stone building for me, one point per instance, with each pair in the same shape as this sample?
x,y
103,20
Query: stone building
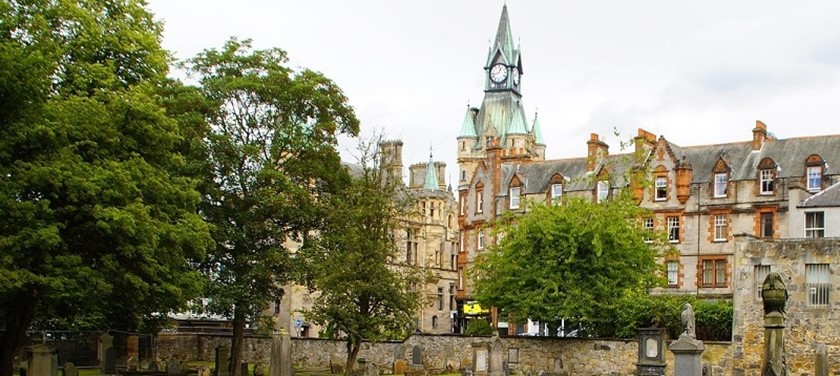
x,y
701,197
427,241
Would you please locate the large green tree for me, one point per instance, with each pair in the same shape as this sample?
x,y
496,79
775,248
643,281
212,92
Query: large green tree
x,y
99,222
272,162
362,293
572,261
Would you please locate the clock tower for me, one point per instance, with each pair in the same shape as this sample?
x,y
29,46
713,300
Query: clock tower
x,y
500,121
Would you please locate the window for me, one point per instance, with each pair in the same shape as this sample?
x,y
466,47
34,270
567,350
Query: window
x,y
721,227
452,304
766,225
480,240
460,278
463,205
479,202
720,184
440,298
760,272
463,175
432,210
556,193
714,273
434,322
410,248
673,273
514,197
661,188
648,227
817,285
814,225
673,224
766,181
814,178
603,190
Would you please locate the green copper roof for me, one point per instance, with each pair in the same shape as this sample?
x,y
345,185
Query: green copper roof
x,y
537,132
517,123
504,41
468,127
431,181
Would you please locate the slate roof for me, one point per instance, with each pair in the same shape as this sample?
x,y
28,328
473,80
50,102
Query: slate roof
x,y
537,175
789,154
826,198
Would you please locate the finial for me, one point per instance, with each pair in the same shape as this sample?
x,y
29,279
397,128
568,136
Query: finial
x,y
430,152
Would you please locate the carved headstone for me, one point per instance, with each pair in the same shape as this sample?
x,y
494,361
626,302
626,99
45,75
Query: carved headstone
x,y
70,369
107,357
41,361
222,359
173,367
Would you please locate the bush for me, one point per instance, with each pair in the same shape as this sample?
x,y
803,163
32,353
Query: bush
x,y
713,317
479,327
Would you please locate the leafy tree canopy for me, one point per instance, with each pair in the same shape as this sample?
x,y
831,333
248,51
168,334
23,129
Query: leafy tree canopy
x,y
99,222
271,164
571,261
361,292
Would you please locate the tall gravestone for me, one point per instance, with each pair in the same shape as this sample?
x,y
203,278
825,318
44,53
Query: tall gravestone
x,y
221,360
107,356
481,354
774,297
687,348
280,359
41,361
651,352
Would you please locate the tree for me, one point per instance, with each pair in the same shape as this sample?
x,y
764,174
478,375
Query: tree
x,y
91,186
361,293
571,261
272,159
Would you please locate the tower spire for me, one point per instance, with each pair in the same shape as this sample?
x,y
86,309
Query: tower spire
x,y
431,181
504,39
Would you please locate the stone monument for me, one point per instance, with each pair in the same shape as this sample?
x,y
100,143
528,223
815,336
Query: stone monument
x,y
280,359
774,295
651,355
687,348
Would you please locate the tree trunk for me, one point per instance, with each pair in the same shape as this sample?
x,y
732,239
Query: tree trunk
x,y
236,342
353,346
20,316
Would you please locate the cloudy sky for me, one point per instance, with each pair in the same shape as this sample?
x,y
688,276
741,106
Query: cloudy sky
x,y
697,72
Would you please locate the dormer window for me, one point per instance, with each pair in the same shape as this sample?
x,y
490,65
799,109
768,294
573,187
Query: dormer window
x,y
479,202
514,197
721,183
766,181
556,193
603,190
814,178
814,172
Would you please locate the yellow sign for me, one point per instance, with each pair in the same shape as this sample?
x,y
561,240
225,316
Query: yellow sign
x,y
472,308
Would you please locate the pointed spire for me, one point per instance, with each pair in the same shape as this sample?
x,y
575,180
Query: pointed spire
x,y
431,181
504,40
536,131
468,126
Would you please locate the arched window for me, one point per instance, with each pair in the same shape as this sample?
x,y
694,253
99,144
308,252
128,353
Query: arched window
x,y
814,169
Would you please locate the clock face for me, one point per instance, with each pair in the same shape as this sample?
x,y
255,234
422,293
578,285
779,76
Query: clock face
x,y
498,73
516,76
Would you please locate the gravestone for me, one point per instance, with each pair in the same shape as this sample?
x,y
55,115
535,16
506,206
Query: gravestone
x,y
687,349
497,354
107,357
400,366
280,359
774,296
144,365
221,360
132,347
651,355
173,367
336,365
41,361
70,369
204,371
416,356
480,355
243,369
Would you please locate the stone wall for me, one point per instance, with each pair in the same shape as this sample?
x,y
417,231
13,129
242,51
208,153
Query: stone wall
x,y
807,326
449,353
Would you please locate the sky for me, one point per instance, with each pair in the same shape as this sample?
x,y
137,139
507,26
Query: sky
x,y
695,72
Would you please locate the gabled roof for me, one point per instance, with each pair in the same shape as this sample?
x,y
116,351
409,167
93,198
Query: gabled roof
x,y
826,198
537,175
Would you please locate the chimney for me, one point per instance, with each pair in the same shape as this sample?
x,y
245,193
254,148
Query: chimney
x,y
759,135
644,141
684,172
390,159
595,151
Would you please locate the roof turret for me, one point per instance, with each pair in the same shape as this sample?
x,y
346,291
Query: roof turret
x,y
431,181
536,131
468,126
